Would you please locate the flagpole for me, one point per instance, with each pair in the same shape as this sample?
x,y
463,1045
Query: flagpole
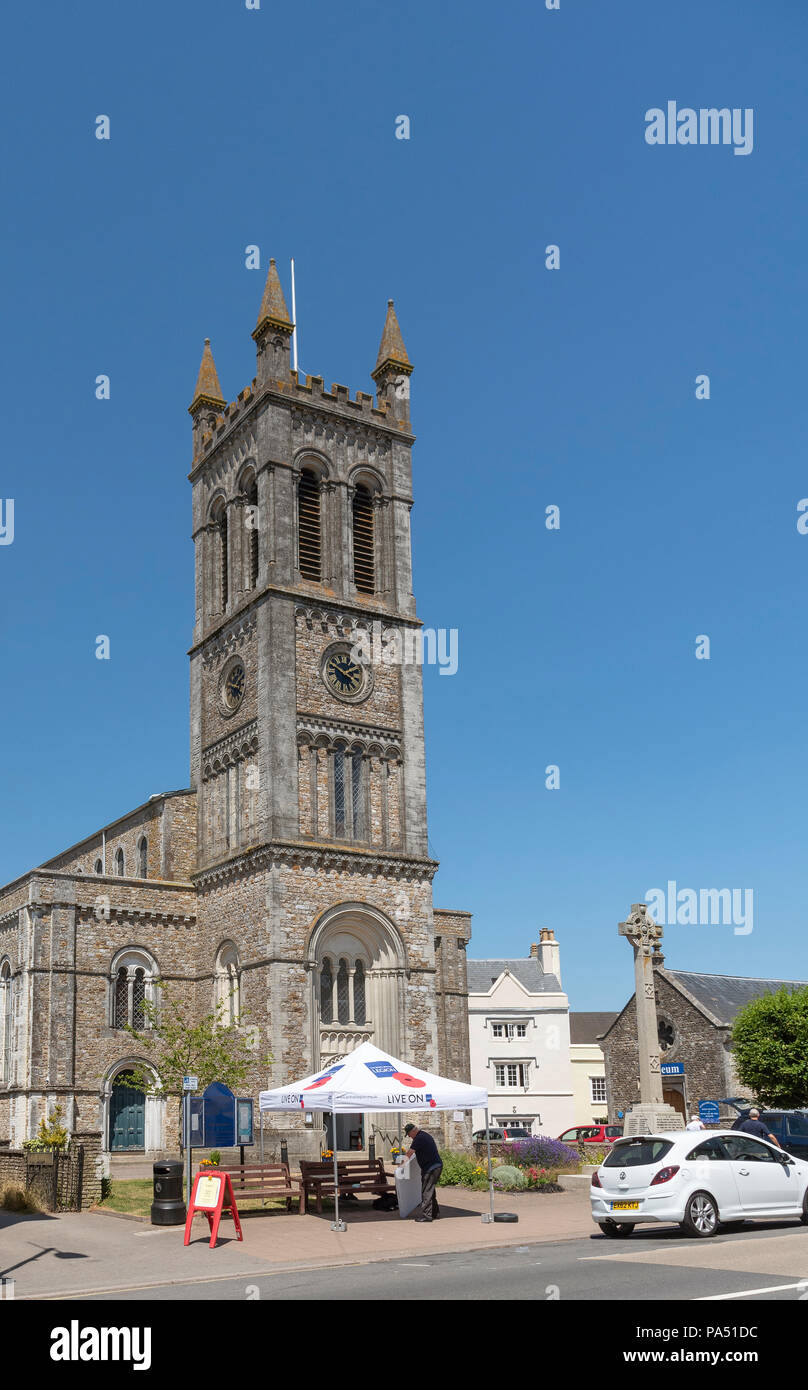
x,y
294,320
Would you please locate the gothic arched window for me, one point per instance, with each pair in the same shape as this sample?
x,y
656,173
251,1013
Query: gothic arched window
x,y
132,985
327,993
99,867
143,857
358,795
119,863
227,985
339,790
343,997
5,1022
363,541
121,1015
251,522
359,993
309,527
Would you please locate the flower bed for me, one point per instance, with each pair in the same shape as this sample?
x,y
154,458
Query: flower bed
x,y
468,1170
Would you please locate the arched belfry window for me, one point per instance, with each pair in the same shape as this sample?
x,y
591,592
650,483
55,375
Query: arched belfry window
x,y
227,985
99,867
5,1022
309,526
119,863
251,522
340,819
132,987
219,571
363,541
143,858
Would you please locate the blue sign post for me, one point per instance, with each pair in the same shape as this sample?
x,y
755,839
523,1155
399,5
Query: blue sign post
x,y
709,1113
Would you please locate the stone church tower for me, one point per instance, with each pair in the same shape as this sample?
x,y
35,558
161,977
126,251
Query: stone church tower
x,y
292,881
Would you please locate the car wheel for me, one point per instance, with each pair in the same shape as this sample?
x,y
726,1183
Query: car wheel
x,y
616,1230
804,1217
701,1215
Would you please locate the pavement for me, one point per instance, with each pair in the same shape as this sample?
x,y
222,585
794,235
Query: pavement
x,y
72,1253
100,1255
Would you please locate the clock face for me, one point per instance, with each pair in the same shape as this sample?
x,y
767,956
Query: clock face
x,y
343,675
233,690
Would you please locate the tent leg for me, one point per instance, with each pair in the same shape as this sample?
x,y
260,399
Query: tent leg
x,y
489,1216
336,1224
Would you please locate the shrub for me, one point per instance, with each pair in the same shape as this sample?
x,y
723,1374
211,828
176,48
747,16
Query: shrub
x,y
507,1177
51,1135
462,1170
540,1152
17,1199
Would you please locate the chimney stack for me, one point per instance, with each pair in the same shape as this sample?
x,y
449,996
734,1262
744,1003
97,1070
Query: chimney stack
x,y
549,953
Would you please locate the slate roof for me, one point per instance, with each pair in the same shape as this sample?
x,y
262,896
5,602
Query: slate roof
x,y
725,995
585,1028
483,973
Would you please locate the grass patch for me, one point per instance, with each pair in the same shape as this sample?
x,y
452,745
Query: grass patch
x,y
18,1199
134,1197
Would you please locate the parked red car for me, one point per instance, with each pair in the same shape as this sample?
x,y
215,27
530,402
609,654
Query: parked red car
x,y
592,1134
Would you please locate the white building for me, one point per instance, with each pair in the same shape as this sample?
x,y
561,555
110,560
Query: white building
x,y
520,1040
588,1067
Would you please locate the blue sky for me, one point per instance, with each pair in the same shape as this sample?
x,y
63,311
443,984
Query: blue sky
x,y
532,387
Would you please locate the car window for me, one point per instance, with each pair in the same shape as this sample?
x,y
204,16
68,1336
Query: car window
x,y
588,1133
771,1119
743,1147
635,1153
712,1149
797,1125
569,1136
614,1131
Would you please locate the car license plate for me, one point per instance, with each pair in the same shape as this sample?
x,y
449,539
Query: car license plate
x,y
625,1206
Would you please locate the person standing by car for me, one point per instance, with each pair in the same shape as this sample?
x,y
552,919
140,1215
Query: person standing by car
x,y
754,1125
429,1161
695,1123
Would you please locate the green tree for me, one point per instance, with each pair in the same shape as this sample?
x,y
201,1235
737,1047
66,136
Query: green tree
x,y
177,1044
770,1043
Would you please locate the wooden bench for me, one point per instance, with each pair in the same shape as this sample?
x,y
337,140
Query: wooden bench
x,y
354,1175
265,1180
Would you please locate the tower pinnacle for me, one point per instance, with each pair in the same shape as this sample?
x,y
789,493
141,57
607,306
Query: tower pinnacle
x,y
208,391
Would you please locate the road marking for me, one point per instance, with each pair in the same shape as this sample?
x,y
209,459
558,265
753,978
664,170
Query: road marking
x,y
748,1293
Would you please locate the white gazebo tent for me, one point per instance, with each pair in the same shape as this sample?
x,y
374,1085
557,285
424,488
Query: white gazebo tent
x,y
368,1079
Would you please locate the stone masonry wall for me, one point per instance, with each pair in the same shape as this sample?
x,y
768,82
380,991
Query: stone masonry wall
x,y
698,1045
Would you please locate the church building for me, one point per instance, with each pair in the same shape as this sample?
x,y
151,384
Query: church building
x,y
292,881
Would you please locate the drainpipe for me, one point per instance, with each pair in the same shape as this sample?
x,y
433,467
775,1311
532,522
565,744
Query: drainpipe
x,y
103,851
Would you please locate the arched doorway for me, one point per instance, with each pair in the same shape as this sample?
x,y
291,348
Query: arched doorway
x,y
127,1115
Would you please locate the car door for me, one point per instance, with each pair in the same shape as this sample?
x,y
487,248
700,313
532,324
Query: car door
x,y
708,1166
767,1186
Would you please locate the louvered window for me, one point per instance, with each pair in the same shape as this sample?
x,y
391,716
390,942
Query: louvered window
x,y
222,525
363,547
252,534
309,528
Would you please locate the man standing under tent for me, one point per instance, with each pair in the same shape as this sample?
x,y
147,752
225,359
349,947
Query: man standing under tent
x,y
429,1161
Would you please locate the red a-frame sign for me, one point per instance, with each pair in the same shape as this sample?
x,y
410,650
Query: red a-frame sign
x,y
211,1197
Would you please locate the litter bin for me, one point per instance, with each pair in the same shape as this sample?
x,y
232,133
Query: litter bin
x,y
168,1208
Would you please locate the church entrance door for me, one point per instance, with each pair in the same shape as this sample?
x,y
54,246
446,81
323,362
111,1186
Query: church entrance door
x,y
672,1095
127,1118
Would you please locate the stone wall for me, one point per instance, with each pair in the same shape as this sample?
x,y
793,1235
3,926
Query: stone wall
x,y
699,1045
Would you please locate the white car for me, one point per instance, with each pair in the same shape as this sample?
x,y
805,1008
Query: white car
x,y
697,1180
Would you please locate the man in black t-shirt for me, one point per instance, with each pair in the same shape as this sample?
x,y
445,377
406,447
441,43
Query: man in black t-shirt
x,y
429,1161
754,1125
